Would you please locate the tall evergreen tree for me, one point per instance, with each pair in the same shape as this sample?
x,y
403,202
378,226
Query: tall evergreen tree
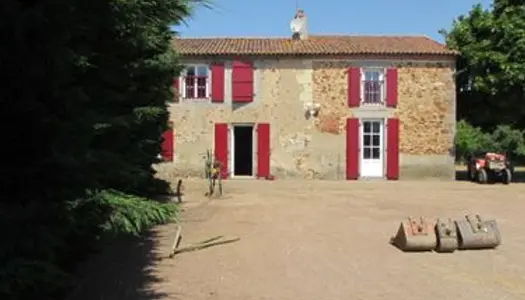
x,y
83,101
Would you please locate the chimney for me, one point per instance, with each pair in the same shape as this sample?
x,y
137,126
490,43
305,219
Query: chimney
x,y
301,21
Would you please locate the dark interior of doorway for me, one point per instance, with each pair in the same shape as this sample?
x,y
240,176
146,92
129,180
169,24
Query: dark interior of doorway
x,y
243,147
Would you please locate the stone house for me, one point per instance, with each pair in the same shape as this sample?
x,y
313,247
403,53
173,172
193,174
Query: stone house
x,y
323,107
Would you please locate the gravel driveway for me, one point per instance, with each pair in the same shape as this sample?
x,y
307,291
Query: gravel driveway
x,y
313,240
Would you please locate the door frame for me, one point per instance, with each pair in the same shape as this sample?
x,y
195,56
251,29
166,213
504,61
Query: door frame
x,y
232,149
382,151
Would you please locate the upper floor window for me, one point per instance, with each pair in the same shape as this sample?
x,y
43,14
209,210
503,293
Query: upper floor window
x,y
373,86
195,82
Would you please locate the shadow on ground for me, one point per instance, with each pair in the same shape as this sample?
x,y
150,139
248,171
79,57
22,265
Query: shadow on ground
x,y
123,270
518,177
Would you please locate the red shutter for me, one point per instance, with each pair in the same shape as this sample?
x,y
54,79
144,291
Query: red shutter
x,y
352,149
263,150
392,153
217,83
221,147
391,87
167,145
242,82
354,87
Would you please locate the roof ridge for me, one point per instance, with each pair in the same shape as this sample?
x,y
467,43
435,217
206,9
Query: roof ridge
x,y
370,35
231,37
314,35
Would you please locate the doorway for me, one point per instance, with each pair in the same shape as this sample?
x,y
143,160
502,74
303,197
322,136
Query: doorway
x,y
242,150
372,145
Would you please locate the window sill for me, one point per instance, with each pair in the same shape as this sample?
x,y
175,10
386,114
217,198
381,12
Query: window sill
x,y
373,104
195,99
190,100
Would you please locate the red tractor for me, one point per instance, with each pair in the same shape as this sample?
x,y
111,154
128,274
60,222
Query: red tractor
x,y
489,167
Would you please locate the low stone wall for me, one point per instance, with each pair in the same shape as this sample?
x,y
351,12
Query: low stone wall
x,y
427,167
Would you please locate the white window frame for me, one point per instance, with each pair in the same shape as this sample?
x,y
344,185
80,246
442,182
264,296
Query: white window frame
x,y
182,81
382,79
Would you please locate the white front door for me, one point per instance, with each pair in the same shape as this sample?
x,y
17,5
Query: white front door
x,y
372,148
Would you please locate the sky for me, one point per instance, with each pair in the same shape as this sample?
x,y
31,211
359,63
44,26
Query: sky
x,y
271,18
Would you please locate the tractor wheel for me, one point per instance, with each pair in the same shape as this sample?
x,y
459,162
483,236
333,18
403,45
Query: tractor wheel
x,y
471,173
482,176
491,177
507,176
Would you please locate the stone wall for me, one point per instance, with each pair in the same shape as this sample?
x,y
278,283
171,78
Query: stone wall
x,y
427,111
315,147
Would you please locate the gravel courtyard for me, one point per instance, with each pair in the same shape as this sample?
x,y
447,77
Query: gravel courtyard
x,y
312,240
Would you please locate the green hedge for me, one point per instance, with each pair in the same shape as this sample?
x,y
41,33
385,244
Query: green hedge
x,y
504,139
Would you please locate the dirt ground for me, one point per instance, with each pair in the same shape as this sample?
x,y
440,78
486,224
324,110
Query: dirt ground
x,y
318,240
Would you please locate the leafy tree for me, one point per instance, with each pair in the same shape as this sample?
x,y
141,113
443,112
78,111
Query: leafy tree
x,y
491,69
84,99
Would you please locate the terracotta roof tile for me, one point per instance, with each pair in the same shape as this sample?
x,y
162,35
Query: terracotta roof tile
x,y
314,45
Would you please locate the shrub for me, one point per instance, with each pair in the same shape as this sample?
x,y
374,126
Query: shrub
x,y
470,139
133,215
505,139
510,141
44,242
